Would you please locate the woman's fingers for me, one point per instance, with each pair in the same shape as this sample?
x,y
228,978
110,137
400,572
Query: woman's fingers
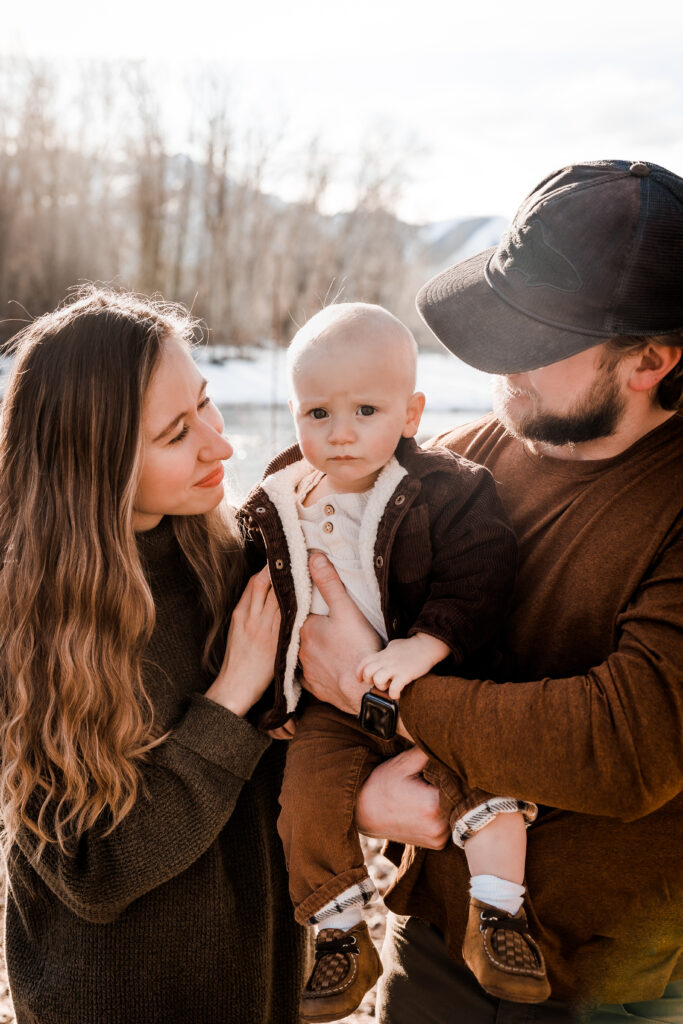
x,y
255,594
261,586
271,610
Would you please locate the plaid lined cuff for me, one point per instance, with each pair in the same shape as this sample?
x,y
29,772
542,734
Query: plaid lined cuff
x,y
480,816
357,895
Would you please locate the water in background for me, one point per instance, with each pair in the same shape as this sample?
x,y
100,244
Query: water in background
x,y
251,392
257,433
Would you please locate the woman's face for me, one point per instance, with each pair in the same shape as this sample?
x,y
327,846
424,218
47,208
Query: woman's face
x,y
183,446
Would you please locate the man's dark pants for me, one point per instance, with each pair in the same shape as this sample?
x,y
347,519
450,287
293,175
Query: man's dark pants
x,y
422,985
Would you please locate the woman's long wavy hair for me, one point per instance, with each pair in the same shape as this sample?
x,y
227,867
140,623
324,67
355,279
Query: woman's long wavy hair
x,y
76,611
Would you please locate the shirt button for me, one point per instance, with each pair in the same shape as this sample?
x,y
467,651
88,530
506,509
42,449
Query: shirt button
x,y
328,527
394,624
329,510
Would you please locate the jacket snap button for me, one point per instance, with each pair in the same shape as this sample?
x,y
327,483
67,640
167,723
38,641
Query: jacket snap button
x,y
329,510
279,564
379,561
400,499
260,510
328,527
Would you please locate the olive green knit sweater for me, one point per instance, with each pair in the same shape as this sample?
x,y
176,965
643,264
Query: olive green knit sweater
x,y
182,914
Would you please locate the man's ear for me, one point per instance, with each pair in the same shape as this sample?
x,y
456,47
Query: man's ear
x,y
416,404
652,364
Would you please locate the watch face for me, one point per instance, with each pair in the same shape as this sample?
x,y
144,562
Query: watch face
x,y
378,715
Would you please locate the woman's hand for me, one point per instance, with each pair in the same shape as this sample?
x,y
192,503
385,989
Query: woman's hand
x,y
333,645
396,803
250,651
283,732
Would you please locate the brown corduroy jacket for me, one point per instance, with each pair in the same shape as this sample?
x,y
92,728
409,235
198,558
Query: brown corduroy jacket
x,y
444,556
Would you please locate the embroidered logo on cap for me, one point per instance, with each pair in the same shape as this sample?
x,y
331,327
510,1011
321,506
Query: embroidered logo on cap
x,y
528,251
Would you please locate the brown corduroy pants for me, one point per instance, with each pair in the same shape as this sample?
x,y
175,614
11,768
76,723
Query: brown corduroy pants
x,y
328,760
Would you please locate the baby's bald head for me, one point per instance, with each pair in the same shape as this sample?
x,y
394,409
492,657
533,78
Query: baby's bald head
x,y
344,331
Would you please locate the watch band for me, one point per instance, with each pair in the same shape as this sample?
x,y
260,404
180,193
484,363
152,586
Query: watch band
x,y
378,715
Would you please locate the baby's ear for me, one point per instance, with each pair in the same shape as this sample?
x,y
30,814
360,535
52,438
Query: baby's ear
x,y
416,404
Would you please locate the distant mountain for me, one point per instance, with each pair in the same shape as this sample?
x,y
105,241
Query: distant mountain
x,y
449,241
435,245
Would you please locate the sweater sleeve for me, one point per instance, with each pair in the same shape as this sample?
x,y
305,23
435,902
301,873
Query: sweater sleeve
x,y
473,568
605,743
190,786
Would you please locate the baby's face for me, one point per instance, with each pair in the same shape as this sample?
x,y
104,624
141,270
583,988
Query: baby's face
x,y
352,403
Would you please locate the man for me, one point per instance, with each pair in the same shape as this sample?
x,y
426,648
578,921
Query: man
x,y
579,311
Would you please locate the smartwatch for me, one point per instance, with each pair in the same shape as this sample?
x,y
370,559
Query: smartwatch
x,y
378,715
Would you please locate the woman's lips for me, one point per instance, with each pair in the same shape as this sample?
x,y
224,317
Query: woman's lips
x,y
212,479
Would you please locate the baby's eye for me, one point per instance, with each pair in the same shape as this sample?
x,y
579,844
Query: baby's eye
x,y
318,414
366,410
206,400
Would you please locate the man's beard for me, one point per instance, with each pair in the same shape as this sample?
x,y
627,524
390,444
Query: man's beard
x,y
596,414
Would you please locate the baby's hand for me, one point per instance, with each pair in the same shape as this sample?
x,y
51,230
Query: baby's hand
x,y
401,661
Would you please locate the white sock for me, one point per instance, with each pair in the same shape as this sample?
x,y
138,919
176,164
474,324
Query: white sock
x,y
498,892
345,919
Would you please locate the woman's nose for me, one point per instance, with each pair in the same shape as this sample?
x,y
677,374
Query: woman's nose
x,y
215,446
227,448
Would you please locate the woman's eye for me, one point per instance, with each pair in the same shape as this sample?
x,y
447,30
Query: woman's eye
x,y
318,414
366,410
180,436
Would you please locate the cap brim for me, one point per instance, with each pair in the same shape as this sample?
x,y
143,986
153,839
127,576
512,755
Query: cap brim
x,y
461,308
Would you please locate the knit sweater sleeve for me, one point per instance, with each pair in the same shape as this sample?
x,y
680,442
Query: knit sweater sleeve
x,y
190,786
473,566
607,742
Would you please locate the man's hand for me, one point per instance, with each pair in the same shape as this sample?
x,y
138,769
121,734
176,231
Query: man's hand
x,y
396,803
333,645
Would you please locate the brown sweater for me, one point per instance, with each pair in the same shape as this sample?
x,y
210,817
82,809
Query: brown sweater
x,y
182,914
593,726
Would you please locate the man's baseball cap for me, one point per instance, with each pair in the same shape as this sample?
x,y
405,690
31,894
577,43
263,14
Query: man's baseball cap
x,y
595,251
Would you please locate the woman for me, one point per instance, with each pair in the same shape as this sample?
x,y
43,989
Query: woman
x,y
146,879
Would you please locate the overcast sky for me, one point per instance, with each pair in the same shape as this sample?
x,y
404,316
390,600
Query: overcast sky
x,y
485,101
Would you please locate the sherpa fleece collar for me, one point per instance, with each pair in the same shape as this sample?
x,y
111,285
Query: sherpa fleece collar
x,y
281,489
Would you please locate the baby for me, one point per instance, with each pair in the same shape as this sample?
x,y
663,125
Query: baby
x,y
422,546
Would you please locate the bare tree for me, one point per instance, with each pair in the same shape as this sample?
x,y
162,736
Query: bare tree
x,y
90,189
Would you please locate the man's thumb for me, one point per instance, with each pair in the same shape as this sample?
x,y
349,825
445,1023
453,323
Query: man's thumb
x,y
413,760
327,581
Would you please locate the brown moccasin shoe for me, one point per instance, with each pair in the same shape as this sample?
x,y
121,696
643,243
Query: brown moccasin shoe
x,y
503,957
346,966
